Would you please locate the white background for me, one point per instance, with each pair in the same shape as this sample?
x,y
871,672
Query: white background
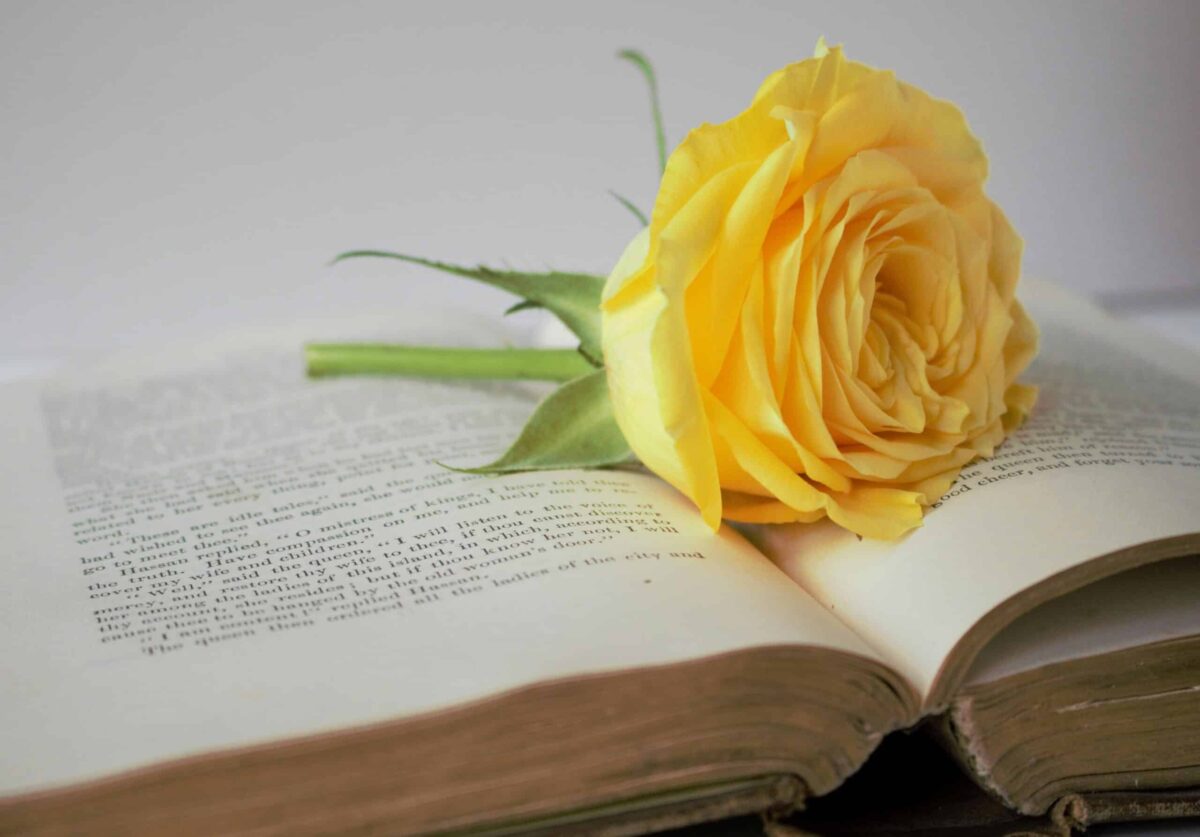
x,y
170,169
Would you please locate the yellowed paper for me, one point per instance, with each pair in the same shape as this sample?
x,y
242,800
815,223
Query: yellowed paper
x,y
1145,605
210,552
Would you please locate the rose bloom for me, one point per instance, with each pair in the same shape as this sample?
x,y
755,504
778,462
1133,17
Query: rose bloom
x,y
820,319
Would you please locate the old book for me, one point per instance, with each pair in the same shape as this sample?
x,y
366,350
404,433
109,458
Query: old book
x,y
235,600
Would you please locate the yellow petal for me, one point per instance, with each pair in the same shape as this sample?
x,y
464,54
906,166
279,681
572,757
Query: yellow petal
x,y
758,461
655,400
746,508
630,267
884,513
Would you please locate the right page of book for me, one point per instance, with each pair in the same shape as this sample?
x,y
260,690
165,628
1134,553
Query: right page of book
x,y
1148,604
1109,459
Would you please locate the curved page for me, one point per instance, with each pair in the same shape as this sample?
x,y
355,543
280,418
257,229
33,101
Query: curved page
x,y
208,550
1142,606
1109,460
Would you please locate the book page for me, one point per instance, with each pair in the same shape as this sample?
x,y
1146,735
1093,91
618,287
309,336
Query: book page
x,y
213,551
1109,459
1149,604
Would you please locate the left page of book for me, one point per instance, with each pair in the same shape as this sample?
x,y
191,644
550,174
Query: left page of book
x,y
203,549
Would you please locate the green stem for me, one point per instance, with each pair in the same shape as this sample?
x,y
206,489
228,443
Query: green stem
x,y
326,359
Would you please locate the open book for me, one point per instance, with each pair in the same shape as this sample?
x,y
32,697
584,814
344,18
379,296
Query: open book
x,y
237,600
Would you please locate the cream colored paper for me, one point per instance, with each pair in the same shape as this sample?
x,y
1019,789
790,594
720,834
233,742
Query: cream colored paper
x,y
1110,459
1148,604
212,551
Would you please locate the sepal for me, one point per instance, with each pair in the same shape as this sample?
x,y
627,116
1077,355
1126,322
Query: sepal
x,y
573,427
632,207
572,297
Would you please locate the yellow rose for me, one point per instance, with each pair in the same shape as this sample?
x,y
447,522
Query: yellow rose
x,y
820,319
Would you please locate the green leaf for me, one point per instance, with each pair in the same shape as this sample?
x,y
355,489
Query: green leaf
x,y
523,305
572,428
572,297
643,63
628,204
